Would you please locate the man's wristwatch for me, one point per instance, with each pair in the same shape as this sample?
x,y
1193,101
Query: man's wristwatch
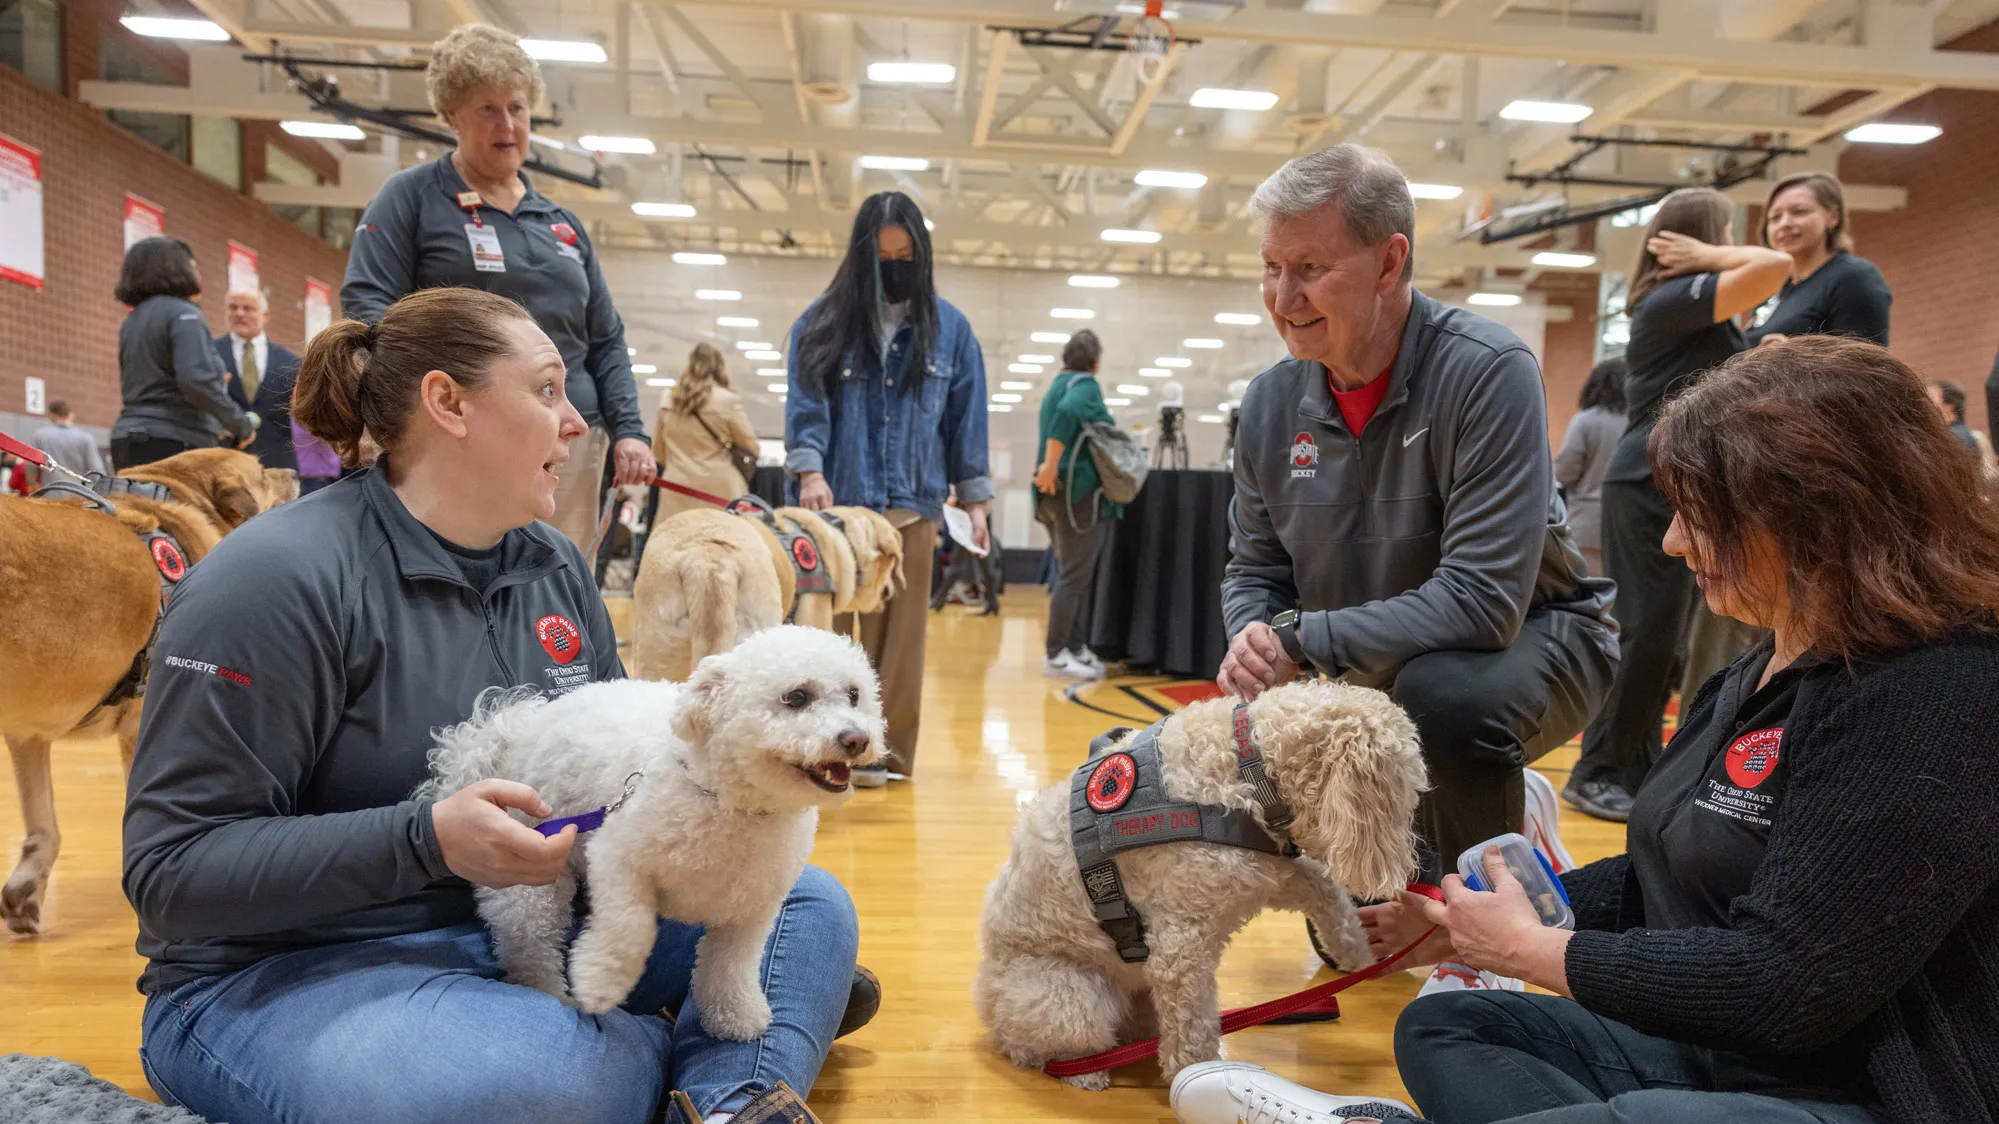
x,y
1285,625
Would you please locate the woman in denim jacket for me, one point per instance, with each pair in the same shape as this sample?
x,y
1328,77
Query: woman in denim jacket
x,y
887,410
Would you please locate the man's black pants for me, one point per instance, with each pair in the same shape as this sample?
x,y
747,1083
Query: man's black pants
x,y
1484,716
1654,592
131,452
1473,1057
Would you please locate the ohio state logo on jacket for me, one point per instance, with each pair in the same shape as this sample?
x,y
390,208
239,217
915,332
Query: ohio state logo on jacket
x,y
1304,456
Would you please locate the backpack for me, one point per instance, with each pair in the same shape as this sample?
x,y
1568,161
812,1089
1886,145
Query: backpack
x,y
1121,462
1121,467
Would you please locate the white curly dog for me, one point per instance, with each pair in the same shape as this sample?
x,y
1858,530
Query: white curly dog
x,y
714,786
1051,984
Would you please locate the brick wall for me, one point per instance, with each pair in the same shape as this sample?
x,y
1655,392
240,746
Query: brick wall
x,y
1940,254
67,332
1568,352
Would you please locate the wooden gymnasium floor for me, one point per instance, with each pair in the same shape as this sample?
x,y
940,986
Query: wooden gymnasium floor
x,y
917,857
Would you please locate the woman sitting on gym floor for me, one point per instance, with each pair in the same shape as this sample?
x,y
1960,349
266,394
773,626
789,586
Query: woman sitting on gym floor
x,y
1803,928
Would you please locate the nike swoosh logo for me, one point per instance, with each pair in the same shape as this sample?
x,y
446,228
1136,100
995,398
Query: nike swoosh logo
x,y
1414,436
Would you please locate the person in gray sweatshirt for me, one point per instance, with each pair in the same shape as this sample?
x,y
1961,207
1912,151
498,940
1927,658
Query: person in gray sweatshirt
x,y
175,392
1395,519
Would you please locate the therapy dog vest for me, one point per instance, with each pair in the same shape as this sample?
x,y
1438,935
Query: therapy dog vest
x,y
1118,802
168,558
798,546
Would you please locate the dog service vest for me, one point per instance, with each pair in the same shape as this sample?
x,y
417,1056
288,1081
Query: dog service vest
x,y
798,546
1118,802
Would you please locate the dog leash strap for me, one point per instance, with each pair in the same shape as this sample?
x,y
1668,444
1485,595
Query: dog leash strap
x,y
24,450
1244,1017
594,818
694,493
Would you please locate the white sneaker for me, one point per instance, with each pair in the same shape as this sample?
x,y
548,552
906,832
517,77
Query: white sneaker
x,y
1065,666
1239,1093
1088,659
1542,823
1456,975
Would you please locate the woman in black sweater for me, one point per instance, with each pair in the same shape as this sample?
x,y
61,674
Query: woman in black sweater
x,y
1806,927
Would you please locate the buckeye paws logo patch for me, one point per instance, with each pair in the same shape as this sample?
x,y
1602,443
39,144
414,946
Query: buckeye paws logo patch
x,y
558,637
805,554
1753,756
172,564
1112,781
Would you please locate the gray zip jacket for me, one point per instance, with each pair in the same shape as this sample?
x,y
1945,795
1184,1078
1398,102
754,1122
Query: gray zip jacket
x,y
297,676
413,236
172,383
1437,530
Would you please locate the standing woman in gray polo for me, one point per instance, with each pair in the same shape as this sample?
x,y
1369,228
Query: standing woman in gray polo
x,y
472,219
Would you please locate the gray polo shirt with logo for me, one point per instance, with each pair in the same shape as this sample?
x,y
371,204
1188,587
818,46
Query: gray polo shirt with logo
x,y
1437,529
297,676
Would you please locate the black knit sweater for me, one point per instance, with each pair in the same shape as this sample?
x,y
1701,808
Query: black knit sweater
x,y
1869,938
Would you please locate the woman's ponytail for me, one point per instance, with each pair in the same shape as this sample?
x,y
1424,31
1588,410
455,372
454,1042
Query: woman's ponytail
x,y
360,378
326,399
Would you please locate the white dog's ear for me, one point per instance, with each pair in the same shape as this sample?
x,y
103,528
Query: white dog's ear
x,y
704,688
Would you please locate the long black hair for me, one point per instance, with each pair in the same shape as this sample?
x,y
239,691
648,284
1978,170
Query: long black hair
x,y
848,316
1605,386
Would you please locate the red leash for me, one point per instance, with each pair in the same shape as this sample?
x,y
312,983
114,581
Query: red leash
x,y
704,497
26,452
1243,1017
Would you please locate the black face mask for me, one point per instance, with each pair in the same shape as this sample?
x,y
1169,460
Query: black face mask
x,y
898,280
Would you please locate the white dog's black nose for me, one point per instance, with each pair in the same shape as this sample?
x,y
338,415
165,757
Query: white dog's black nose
x,y
854,742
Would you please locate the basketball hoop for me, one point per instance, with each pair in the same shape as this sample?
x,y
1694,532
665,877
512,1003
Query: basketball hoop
x,y
1150,42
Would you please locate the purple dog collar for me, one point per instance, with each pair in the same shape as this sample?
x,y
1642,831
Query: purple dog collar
x,y
594,818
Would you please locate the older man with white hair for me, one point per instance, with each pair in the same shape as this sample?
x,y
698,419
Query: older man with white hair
x,y
1395,519
260,375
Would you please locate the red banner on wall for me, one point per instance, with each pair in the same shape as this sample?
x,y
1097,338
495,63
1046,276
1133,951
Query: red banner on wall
x,y
318,307
243,269
20,213
143,219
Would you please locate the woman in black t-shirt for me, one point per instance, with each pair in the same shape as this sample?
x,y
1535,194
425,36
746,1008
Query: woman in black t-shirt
x,y
1831,291
1688,285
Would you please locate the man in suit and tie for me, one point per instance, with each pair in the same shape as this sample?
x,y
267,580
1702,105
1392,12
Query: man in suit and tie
x,y
260,376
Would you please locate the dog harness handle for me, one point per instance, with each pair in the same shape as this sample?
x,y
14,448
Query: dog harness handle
x,y
1244,1017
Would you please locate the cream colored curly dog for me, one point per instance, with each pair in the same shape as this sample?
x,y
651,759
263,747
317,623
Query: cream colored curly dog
x,y
1051,984
732,768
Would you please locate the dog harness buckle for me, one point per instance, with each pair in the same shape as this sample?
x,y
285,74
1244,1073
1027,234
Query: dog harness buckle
x,y
1118,802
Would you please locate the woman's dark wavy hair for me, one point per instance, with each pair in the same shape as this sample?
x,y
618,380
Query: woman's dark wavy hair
x,y
1605,386
1831,447
847,317
157,267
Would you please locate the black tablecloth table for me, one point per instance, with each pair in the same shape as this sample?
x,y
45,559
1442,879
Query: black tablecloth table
x,y
1158,601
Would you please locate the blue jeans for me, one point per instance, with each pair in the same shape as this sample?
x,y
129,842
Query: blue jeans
x,y
421,1027
1477,1057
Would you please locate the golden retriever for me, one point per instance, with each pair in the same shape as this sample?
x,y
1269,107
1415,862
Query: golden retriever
x,y
710,578
83,597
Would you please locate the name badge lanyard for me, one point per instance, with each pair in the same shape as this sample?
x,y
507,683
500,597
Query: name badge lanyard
x,y
487,257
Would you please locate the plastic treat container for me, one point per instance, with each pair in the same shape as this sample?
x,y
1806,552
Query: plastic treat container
x,y
1531,868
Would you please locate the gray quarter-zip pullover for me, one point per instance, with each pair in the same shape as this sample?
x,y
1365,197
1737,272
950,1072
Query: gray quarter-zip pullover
x,y
170,379
297,676
413,236
1436,530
